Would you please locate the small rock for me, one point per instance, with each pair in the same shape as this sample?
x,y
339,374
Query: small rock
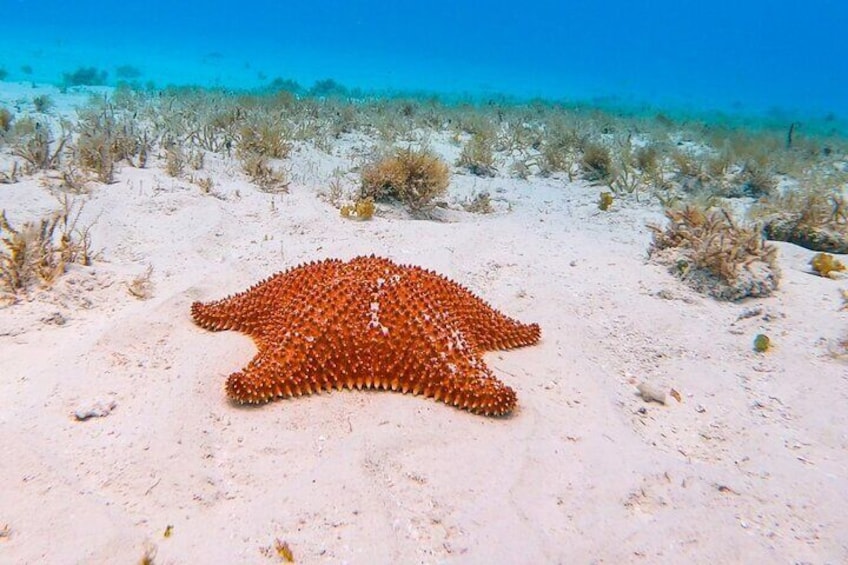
x,y
56,319
665,294
97,410
650,393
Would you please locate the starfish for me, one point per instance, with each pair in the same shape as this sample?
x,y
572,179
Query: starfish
x,y
367,323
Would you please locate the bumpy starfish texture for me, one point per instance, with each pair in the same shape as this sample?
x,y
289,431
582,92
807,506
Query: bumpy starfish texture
x,y
367,323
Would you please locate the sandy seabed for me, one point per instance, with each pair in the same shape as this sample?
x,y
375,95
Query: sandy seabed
x,y
751,465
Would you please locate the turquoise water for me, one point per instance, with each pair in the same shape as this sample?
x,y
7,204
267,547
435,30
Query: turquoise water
x,y
745,56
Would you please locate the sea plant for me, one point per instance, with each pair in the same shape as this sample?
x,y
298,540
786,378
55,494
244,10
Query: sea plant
x,y
6,118
175,160
647,158
477,156
70,179
108,136
267,177
84,76
141,286
480,203
34,143
265,136
650,161
42,103
93,149
625,178
561,146
39,251
689,170
520,136
596,162
328,87
718,166
762,343
708,250
815,217
12,176
416,177
216,132
757,179
361,209
128,72
826,265
345,118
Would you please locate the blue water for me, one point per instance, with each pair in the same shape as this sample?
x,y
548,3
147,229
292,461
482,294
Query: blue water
x,y
742,56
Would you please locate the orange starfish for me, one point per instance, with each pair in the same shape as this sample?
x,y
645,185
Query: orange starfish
x,y
367,323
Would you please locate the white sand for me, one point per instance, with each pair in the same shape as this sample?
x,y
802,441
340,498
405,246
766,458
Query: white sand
x,y
751,466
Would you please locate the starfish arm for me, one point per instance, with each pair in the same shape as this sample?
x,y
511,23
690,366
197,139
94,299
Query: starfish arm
x,y
266,377
484,326
304,350
431,356
243,312
487,327
216,316
468,384
250,311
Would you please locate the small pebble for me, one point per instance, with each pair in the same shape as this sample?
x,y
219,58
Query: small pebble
x,y
56,319
97,410
651,393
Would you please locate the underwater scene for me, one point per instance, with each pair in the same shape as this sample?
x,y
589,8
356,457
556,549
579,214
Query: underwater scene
x,y
424,282
746,58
